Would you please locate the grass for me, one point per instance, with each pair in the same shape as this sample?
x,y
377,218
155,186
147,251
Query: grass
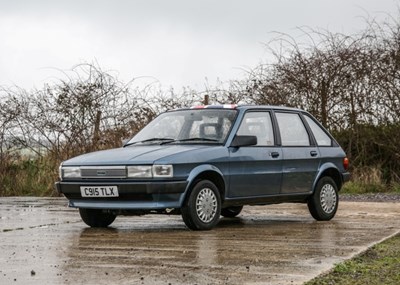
x,y
370,180
378,265
28,178
361,187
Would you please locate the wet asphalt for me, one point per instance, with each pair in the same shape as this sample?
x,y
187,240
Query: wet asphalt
x,y
44,242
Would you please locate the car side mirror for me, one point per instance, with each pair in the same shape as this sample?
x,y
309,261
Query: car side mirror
x,y
239,141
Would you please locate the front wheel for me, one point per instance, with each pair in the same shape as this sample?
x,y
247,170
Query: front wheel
x,y
96,218
202,208
324,202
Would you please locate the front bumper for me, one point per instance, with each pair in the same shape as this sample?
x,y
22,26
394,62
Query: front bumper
x,y
152,195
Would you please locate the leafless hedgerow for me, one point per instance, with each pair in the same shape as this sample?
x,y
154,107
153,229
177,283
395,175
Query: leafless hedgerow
x,y
9,112
89,110
350,83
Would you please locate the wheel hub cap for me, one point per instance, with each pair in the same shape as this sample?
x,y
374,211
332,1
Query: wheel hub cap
x,y
206,205
328,198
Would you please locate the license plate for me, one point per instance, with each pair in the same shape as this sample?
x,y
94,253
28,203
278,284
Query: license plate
x,y
99,191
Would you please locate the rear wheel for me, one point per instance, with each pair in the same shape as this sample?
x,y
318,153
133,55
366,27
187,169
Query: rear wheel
x,y
202,208
324,202
96,218
231,212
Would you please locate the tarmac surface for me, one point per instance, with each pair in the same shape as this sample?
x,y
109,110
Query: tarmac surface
x,y
44,242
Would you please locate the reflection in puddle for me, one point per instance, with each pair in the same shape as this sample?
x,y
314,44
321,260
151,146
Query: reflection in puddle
x,y
206,250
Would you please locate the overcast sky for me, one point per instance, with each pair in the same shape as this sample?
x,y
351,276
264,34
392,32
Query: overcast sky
x,y
178,42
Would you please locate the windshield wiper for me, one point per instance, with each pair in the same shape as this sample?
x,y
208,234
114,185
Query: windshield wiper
x,y
169,140
151,140
198,139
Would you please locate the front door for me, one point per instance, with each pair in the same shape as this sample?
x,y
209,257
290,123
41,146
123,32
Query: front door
x,y
256,171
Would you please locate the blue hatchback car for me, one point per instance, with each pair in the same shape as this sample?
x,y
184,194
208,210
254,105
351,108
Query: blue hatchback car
x,y
208,161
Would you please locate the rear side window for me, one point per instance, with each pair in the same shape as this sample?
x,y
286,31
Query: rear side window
x,y
320,135
258,124
292,130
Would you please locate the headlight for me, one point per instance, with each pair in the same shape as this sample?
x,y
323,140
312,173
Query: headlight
x,y
148,171
163,171
70,172
139,171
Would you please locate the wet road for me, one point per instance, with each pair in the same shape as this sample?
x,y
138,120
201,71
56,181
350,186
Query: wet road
x,y
44,242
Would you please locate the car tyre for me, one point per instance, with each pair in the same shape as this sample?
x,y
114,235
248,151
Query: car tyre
x,y
96,218
231,212
324,202
202,207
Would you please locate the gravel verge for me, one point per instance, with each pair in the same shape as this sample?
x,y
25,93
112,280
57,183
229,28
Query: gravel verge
x,y
371,197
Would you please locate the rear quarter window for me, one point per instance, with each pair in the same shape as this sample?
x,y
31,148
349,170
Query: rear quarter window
x,y
320,135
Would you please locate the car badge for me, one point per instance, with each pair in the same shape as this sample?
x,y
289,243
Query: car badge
x,y
101,173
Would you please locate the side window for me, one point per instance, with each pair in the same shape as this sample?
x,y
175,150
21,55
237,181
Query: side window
x,y
292,130
320,135
258,124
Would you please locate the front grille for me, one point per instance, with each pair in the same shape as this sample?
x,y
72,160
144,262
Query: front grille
x,y
103,172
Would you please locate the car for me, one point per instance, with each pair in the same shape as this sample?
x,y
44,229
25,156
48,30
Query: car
x,y
207,161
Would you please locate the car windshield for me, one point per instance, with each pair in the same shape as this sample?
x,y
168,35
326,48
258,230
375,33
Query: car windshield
x,y
187,126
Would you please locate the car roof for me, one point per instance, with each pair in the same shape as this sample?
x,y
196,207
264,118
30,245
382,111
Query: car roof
x,y
242,107
283,108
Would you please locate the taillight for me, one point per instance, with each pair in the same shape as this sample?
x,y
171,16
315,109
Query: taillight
x,y
345,163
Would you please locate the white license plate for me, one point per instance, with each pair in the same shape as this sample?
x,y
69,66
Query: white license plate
x,y
99,191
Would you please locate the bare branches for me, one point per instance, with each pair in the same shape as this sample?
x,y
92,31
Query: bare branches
x,y
350,83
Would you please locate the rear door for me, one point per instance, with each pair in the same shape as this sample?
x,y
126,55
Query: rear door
x,y
301,157
256,170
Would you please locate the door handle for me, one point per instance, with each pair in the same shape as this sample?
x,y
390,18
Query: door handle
x,y
313,153
274,154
